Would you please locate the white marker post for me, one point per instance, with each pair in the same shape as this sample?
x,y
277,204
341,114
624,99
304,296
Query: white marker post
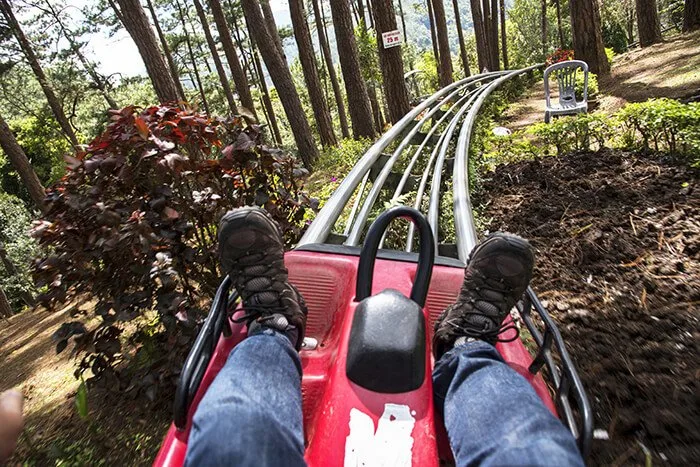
x,y
392,39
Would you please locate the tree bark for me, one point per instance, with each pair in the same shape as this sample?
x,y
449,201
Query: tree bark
x,y
648,22
355,87
504,41
138,27
28,51
193,58
543,26
443,43
308,66
272,26
587,36
281,76
376,110
215,56
493,41
391,62
272,117
482,49
560,29
691,15
403,22
433,36
234,64
166,50
5,309
460,36
19,161
328,58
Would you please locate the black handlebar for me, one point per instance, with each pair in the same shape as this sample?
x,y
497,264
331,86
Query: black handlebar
x,y
426,257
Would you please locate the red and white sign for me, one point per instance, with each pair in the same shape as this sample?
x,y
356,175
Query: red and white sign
x,y
392,39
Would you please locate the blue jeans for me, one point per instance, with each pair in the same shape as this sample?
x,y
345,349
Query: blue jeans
x,y
251,415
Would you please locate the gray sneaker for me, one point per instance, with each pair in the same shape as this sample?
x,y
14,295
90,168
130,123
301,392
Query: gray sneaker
x,y
251,251
497,274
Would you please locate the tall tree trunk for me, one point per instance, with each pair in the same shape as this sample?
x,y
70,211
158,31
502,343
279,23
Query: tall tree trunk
x,y
136,23
25,295
493,41
281,76
99,81
504,41
272,26
267,101
543,26
308,65
443,43
376,109
326,51
403,22
588,39
166,50
691,15
355,87
370,9
19,161
433,36
648,22
237,72
5,309
560,29
215,55
460,36
482,50
193,58
391,62
26,47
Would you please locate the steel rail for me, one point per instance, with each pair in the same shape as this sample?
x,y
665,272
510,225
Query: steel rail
x,y
320,228
434,206
419,150
465,232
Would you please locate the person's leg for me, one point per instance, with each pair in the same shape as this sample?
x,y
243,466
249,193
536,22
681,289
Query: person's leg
x,y
251,414
493,415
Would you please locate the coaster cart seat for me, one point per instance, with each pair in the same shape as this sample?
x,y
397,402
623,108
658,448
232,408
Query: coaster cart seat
x,y
367,358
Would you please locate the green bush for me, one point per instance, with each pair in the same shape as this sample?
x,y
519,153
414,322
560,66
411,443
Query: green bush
x,y
662,125
609,54
20,248
592,85
575,133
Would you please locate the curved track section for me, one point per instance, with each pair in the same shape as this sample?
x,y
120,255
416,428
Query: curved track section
x,y
434,135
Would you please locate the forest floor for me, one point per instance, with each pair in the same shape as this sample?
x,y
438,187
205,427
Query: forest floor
x,y
618,238
618,266
670,69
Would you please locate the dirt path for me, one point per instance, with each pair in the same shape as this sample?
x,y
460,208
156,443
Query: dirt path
x,y
54,434
670,69
618,243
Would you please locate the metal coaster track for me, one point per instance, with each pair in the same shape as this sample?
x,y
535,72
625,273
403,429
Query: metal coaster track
x,y
464,98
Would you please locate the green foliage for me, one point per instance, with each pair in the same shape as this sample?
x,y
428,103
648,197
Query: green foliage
x,y
337,161
81,399
133,225
609,54
576,133
15,222
614,38
592,85
427,64
508,149
662,125
369,57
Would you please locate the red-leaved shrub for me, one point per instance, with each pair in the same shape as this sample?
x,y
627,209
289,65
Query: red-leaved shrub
x,y
133,225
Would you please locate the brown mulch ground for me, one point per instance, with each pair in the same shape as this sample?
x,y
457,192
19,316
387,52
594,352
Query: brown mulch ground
x,y
618,242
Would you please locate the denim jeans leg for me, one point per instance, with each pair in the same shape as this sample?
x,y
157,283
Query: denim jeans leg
x,y
251,415
493,415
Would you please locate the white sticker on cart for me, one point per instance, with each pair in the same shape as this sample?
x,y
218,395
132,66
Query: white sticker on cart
x,y
392,443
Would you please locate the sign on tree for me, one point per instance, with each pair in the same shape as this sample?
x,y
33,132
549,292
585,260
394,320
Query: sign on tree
x,y
392,38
